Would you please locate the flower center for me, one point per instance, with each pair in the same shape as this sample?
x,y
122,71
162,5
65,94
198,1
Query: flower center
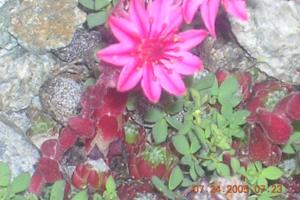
x,y
151,50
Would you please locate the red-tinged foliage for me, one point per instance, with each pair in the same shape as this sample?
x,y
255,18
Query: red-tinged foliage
x,y
49,169
130,190
290,106
84,127
109,127
67,138
52,149
259,146
85,175
37,183
277,127
275,157
292,184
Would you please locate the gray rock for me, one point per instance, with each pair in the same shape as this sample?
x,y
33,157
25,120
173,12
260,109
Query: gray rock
x,y
16,149
272,36
223,54
20,119
83,41
42,25
60,97
7,42
22,75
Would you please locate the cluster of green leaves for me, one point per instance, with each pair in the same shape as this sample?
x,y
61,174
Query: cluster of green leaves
x,y
14,189
110,193
97,11
210,121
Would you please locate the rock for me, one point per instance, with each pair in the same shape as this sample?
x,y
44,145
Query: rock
x,y
22,75
16,149
223,54
42,25
60,95
272,36
7,42
83,41
20,119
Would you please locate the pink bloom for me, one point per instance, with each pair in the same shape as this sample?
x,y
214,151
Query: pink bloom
x,y
149,49
209,10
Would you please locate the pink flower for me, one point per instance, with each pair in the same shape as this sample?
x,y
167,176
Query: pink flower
x,y
150,50
209,10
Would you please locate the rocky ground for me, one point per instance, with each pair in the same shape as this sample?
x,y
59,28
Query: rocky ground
x,y
46,57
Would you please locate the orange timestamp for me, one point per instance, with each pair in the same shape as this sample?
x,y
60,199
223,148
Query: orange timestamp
x,y
235,188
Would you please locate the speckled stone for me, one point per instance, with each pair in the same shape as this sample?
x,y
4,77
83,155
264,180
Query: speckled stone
x,y
272,36
42,25
22,75
16,149
60,95
83,41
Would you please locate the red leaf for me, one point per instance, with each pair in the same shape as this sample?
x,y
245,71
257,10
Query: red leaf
x,y
80,176
84,127
109,127
221,75
277,127
51,149
93,179
67,138
290,105
275,157
49,169
93,96
259,145
133,167
37,183
145,169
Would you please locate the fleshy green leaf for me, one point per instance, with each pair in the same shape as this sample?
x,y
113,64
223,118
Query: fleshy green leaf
x,y
110,185
160,186
132,101
199,170
160,131
223,169
97,197
88,4
153,115
4,174
272,173
175,178
195,145
181,144
83,195
173,122
96,19
20,183
235,164
58,190
205,82
175,107
99,4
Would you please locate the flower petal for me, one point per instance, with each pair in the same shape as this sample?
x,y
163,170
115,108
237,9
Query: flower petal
x,y
150,84
129,76
236,8
189,9
116,54
127,34
209,11
139,16
187,66
191,38
170,80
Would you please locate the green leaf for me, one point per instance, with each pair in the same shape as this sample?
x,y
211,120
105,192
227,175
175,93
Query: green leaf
x,y
176,178
173,122
58,190
153,115
96,19
87,3
83,195
187,160
239,117
228,92
235,164
186,127
110,185
186,182
20,183
132,101
288,149
215,88
18,197
175,107
193,173
261,180
272,173
4,174
160,186
205,82
99,4
195,145
181,144
223,169
160,131
199,170
97,197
